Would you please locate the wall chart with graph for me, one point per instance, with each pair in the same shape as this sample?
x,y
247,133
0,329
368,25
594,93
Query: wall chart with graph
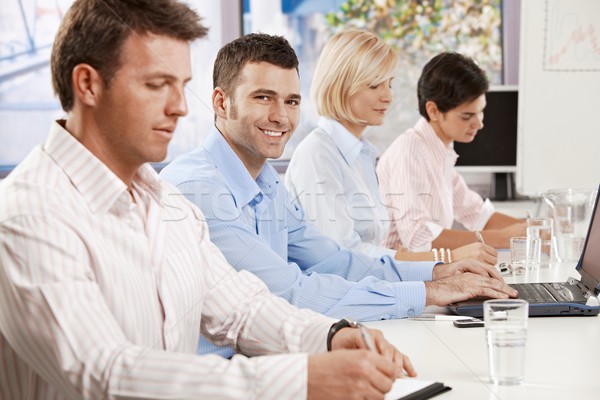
x,y
559,81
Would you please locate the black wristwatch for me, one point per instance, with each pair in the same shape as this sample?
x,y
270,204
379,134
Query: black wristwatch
x,y
341,324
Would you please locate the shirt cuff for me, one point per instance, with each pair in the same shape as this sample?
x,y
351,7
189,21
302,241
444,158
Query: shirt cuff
x,y
410,299
415,270
487,210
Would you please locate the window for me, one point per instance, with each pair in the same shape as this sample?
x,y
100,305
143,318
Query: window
x,y
417,29
27,103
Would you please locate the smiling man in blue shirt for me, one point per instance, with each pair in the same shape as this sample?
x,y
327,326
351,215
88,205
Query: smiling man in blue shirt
x,y
256,100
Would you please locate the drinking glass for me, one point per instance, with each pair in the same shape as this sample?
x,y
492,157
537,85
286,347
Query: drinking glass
x,y
542,228
524,253
506,334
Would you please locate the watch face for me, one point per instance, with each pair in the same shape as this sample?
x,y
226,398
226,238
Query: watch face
x,y
351,323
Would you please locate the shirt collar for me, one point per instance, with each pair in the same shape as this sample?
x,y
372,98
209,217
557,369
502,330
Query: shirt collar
x,y
349,146
96,183
243,187
426,131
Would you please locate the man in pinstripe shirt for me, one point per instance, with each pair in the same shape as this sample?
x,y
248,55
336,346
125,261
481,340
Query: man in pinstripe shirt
x,y
104,291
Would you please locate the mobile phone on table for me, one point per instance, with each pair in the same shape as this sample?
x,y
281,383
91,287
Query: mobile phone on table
x,y
468,323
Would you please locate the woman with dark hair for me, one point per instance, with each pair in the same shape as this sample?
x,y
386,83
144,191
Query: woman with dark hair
x,y
418,182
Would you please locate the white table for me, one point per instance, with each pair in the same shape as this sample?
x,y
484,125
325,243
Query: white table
x,y
562,353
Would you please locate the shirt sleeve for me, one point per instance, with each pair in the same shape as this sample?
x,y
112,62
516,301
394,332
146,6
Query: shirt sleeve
x,y
407,191
469,208
315,182
56,319
317,274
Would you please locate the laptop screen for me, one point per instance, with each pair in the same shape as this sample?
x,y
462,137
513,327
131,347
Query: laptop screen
x,y
590,262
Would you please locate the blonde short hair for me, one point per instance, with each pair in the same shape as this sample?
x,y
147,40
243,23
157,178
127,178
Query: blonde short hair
x,y
350,61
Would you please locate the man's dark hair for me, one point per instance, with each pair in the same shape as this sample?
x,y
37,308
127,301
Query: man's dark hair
x,y
252,48
93,32
449,80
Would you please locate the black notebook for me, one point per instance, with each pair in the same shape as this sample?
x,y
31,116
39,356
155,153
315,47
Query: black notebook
x,y
415,389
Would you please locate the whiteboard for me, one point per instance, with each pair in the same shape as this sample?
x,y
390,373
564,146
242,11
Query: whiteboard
x,y
558,139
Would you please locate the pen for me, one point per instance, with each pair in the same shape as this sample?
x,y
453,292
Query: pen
x,y
436,317
367,338
479,237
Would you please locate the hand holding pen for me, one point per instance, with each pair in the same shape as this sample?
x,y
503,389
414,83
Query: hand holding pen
x,y
360,364
374,341
386,349
503,267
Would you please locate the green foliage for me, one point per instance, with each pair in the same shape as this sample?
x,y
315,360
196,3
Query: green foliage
x,y
420,29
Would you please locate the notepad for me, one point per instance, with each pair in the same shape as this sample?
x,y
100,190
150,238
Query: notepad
x,y
415,389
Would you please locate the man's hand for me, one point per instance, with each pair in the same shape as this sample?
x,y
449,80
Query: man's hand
x,y
349,374
442,271
351,338
351,371
465,286
476,251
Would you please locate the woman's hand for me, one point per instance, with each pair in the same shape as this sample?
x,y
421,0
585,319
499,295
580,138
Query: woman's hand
x,y
476,251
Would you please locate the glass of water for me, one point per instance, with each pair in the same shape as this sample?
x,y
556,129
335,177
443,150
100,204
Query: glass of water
x,y
542,228
506,334
524,253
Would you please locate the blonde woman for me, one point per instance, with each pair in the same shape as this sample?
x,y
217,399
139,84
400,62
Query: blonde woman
x,y
332,172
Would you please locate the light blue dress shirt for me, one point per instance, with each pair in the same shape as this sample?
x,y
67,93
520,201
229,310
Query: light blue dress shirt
x,y
258,228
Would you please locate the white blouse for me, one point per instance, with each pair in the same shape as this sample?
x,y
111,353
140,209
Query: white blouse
x,y
332,176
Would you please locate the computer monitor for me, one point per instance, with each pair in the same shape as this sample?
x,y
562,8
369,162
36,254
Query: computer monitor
x,y
494,149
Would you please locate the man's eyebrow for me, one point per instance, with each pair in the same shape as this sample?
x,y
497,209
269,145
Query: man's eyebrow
x,y
273,93
264,91
165,75
159,74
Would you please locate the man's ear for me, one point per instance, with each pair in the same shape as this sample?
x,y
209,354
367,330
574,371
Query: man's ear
x,y
432,110
220,103
87,84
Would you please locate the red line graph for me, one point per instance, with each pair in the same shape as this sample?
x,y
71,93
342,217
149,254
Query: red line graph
x,y
571,36
578,36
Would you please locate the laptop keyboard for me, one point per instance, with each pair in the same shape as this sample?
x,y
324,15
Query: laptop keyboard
x,y
534,293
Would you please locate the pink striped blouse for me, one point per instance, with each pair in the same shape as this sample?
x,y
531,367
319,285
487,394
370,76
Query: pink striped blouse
x,y
423,192
102,297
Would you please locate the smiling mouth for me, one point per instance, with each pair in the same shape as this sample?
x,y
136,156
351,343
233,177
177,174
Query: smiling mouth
x,y
272,133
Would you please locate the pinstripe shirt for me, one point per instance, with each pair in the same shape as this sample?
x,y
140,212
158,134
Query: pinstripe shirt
x,y
423,192
105,297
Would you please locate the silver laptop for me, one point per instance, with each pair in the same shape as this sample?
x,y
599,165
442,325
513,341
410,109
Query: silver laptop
x,y
574,297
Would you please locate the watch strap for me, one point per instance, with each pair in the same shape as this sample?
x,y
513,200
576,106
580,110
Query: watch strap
x,y
335,328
